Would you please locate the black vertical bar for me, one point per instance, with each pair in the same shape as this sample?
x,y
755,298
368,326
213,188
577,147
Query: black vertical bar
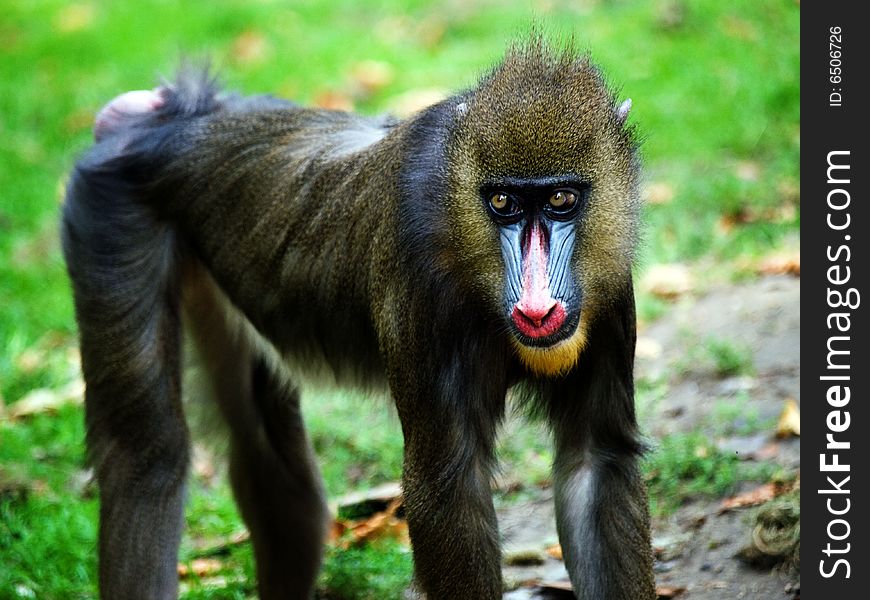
x,y
835,395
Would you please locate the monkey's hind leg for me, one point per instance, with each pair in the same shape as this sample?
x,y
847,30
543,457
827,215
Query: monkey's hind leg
x,y
272,466
122,264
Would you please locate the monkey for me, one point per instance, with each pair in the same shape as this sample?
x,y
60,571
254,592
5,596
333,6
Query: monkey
x,y
482,245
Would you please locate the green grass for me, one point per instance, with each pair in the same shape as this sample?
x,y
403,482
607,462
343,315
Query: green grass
x,y
358,437
650,308
379,571
717,356
687,466
47,529
729,358
736,416
716,97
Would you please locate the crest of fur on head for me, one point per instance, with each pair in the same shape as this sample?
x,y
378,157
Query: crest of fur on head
x,y
540,109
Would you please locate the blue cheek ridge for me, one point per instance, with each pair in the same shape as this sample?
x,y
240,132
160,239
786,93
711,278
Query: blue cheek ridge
x,y
562,238
510,240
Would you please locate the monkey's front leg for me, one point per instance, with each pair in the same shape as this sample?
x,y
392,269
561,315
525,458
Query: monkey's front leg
x,y
451,519
448,502
603,522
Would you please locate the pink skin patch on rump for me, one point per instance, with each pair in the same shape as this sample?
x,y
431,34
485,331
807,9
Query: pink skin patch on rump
x,y
537,314
112,116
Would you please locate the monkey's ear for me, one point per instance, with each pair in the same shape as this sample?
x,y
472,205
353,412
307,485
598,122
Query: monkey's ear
x,y
623,110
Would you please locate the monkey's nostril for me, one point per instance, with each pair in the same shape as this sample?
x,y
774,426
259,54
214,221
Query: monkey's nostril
x,y
539,320
537,314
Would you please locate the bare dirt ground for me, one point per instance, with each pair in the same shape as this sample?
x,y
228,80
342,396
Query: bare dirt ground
x,y
696,546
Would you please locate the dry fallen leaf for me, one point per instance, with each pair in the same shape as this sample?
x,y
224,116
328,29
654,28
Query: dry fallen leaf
x,y
381,525
251,47
669,591
47,400
789,420
647,348
219,545
202,464
30,360
785,212
201,567
332,100
370,528
754,497
405,105
38,355
667,281
555,551
384,524
781,264
733,218
658,192
748,170
337,529
430,31
767,452
371,75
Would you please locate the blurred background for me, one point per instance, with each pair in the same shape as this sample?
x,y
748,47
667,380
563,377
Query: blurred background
x,y
716,96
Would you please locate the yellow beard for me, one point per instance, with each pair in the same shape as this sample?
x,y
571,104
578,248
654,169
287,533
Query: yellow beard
x,y
555,360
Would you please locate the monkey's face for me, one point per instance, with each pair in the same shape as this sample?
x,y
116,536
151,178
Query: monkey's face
x,y
544,205
537,232
536,219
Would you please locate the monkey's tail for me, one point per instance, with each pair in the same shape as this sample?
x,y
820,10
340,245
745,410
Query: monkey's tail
x,y
194,92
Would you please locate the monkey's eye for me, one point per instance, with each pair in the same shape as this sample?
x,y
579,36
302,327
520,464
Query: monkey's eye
x,y
562,204
563,199
503,206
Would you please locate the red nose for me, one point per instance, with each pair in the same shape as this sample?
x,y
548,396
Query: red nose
x,y
539,319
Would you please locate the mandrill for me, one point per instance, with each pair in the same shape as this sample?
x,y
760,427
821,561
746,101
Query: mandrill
x,y
484,243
